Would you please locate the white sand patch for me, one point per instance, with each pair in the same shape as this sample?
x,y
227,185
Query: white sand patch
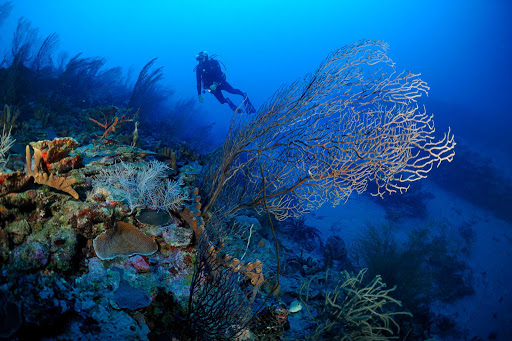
x,y
490,308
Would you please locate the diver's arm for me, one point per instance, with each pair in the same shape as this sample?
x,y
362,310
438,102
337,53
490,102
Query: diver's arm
x,y
198,80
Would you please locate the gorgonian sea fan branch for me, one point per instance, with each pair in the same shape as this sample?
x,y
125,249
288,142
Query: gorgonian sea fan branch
x,y
355,120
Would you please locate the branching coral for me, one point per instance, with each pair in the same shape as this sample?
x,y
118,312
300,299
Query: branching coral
x,y
6,142
423,265
223,291
223,288
110,126
353,121
192,215
146,92
57,182
308,236
8,117
144,187
43,58
5,11
352,310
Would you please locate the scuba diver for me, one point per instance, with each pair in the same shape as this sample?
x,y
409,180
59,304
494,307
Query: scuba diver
x,y
209,73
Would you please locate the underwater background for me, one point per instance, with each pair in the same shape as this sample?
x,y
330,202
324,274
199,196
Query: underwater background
x,y
123,248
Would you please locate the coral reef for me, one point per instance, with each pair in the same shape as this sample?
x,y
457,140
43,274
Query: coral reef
x,y
56,182
125,240
110,127
351,309
308,236
223,292
140,256
55,154
146,186
10,316
6,142
12,182
371,131
423,267
128,297
7,120
335,250
8,117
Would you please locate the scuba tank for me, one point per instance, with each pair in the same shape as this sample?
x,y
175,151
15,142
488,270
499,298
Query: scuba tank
x,y
212,73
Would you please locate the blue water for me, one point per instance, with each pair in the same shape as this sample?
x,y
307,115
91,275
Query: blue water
x,y
463,50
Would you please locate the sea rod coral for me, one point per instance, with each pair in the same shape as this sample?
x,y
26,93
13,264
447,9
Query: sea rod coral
x,y
351,309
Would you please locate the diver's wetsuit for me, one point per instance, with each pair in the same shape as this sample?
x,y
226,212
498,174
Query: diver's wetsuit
x,y
208,73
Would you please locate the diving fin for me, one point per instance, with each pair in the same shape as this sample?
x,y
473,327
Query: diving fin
x,y
234,107
249,108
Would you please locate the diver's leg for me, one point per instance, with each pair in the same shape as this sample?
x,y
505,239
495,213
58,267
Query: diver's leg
x,y
227,87
218,94
248,105
233,106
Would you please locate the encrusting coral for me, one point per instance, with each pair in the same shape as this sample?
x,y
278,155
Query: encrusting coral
x,y
41,178
55,153
125,240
